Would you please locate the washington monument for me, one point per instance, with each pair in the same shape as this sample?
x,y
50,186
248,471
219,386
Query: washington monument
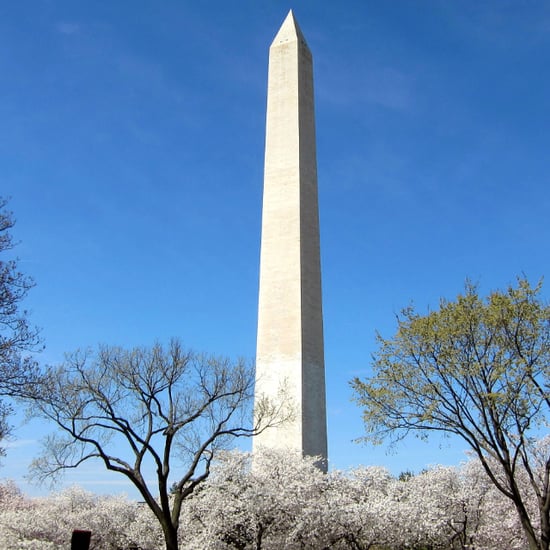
x,y
290,350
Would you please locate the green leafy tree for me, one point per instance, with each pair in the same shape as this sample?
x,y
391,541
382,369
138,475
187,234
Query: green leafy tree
x,y
478,369
168,410
18,371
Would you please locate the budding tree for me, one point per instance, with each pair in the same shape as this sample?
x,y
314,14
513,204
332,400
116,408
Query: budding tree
x,y
133,409
478,369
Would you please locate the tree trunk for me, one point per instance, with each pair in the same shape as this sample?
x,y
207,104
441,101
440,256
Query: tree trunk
x,y
532,539
259,537
170,536
544,528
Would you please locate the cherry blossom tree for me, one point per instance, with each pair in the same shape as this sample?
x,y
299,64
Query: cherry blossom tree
x,y
262,502
489,519
47,522
360,508
280,500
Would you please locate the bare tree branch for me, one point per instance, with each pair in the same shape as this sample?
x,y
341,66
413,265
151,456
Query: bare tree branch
x,y
159,406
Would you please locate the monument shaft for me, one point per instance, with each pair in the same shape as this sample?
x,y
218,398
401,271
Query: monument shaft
x,y
290,350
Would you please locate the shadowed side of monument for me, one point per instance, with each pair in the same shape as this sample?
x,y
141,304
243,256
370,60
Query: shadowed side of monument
x,y
290,349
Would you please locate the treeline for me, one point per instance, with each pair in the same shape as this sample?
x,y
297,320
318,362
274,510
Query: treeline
x,y
281,501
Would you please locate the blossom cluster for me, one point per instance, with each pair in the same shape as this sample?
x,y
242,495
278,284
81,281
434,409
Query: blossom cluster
x,y
47,523
279,500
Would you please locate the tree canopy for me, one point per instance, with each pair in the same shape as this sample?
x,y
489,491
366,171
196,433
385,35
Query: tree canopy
x,y
478,369
17,336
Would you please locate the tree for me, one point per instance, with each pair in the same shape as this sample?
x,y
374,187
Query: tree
x,y
283,501
478,369
17,336
362,510
48,522
261,502
133,409
489,519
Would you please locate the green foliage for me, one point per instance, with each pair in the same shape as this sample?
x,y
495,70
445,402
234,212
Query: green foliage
x,y
476,368
405,475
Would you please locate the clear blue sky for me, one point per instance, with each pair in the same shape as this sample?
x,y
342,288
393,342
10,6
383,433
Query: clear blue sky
x,y
131,143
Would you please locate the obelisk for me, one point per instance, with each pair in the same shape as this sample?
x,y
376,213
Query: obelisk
x,y
290,349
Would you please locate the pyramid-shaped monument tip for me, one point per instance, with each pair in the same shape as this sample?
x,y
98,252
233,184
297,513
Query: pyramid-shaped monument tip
x,y
289,31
